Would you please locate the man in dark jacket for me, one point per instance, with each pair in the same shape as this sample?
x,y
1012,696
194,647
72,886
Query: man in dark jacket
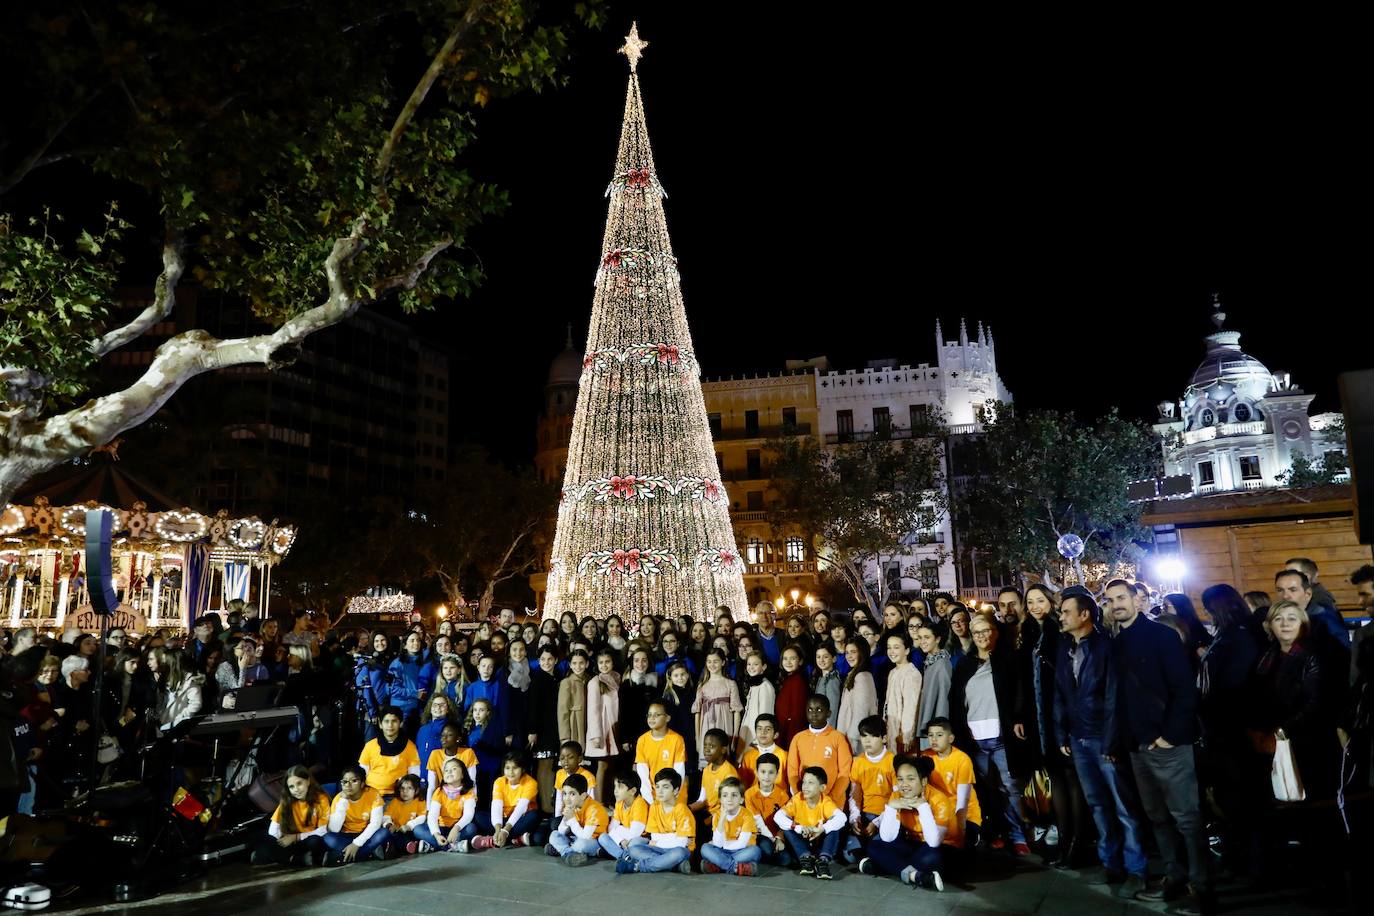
x,y
1157,706
1085,727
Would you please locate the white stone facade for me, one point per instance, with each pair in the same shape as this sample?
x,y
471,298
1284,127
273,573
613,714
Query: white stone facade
x,y
1238,425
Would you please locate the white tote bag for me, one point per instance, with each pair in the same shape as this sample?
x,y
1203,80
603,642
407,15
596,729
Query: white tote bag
x,y
1284,775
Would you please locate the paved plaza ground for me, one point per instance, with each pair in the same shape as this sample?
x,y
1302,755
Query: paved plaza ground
x,y
524,880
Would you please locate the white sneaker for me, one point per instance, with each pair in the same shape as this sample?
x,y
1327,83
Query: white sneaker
x,y
1052,836
425,847
463,846
1039,834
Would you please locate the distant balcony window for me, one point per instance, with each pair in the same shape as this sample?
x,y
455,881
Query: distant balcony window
x,y
1250,468
796,550
753,551
1206,476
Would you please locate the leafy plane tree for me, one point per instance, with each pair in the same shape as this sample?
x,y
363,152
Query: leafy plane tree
x,y
268,148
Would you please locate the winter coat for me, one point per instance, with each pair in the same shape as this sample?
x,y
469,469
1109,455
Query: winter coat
x,y
856,704
1011,708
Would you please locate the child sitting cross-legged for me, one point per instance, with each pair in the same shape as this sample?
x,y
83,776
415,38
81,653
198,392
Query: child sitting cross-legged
x,y
629,817
715,770
578,837
402,815
452,807
672,832
295,835
355,828
732,849
913,827
812,825
764,799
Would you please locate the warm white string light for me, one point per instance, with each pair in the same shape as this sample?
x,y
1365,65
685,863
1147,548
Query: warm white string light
x,y
643,520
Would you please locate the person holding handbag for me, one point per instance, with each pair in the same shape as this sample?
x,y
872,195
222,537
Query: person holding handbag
x,y
1289,697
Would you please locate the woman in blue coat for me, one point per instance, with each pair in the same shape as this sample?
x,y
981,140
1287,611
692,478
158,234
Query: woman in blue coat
x,y
411,677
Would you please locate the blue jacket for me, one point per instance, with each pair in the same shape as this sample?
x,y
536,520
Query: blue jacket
x,y
1329,620
662,667
408,677
1158,690
494,692
1086,707
427,739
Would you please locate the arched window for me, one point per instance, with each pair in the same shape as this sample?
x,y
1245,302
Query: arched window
x,y
796,550
1207,418
1241,413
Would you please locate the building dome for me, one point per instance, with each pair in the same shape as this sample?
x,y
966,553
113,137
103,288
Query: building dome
x,y
566,368
1227,370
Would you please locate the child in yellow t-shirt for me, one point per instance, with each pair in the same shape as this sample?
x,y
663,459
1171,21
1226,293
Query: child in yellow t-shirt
x,y
513,810
764,799
765,736
390,755
715,771
871,780
812,823
732,849
355,831
449,749
629,818
295,835
954,776
657,748
402,815
452,808
578,837
912,830
671,829
569,762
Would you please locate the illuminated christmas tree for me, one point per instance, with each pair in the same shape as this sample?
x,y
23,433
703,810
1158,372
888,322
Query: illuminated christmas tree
x,y
643,520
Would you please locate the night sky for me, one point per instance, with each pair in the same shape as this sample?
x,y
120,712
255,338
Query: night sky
x,y
836,184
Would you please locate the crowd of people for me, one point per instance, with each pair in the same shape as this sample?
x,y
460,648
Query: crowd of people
x,y
1092,729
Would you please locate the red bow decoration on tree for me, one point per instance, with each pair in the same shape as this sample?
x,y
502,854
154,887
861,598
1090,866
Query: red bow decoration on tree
x,y
726,558
624,486
588,361
667,353
710,490
627,560
637,179
612,259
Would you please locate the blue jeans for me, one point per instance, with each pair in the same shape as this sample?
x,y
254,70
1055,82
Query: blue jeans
x,y
852,843
727,859
891,858
482,826
1110,798
566,845
825,846
610,847
425,835
337,842
991,752
652,859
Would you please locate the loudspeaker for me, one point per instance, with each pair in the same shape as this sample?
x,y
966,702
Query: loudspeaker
x,y
99,571
1357,403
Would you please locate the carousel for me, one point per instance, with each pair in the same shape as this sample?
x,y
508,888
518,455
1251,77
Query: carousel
x,y
172,563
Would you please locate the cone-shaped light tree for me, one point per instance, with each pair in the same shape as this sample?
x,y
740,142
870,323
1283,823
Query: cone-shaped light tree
x,y
643,519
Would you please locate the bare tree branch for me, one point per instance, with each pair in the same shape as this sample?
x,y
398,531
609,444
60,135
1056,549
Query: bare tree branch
x,y
409,277
164,299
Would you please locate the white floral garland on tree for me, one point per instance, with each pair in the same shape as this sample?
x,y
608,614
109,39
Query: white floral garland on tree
x,y
629,487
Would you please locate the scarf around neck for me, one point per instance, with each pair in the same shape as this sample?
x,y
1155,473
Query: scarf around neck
x,y
392,748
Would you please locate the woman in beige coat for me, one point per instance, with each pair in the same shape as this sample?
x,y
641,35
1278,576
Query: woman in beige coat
x,y
572,700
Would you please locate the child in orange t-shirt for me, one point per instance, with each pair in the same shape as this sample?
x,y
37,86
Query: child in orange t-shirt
x,y
629,818
578,837
954,776
812,824
715,771
871,780
402,815
764,799
820,745
513,810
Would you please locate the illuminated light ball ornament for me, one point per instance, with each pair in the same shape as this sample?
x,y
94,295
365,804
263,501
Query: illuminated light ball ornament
x,y
1070,546
181,526
643,518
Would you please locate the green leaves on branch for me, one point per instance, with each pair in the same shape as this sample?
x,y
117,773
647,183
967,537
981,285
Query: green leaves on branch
x,y
1034,475
53,288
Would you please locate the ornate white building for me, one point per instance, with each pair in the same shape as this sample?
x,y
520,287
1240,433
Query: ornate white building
x,y
1239,425
889,400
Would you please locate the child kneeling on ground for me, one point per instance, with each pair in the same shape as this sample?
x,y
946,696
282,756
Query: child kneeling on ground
x,y
732,848
672,832
912,828
812,824
296,834
578,837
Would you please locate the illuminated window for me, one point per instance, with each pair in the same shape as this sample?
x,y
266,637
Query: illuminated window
x,y
796,550
753,551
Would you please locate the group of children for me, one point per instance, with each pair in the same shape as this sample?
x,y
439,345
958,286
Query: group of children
x,y
806,806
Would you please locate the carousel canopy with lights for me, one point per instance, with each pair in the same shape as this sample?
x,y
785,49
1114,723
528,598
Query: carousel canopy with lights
x,y
172,562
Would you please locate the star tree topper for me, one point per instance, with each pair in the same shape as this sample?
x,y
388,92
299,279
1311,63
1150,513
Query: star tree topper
x,y
634,47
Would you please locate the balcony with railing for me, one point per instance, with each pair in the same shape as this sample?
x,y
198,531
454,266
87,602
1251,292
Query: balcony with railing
x,y
1208,433
760,432
785,567
891,433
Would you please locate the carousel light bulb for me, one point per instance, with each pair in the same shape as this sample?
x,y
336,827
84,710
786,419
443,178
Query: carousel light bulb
x,y
780,603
